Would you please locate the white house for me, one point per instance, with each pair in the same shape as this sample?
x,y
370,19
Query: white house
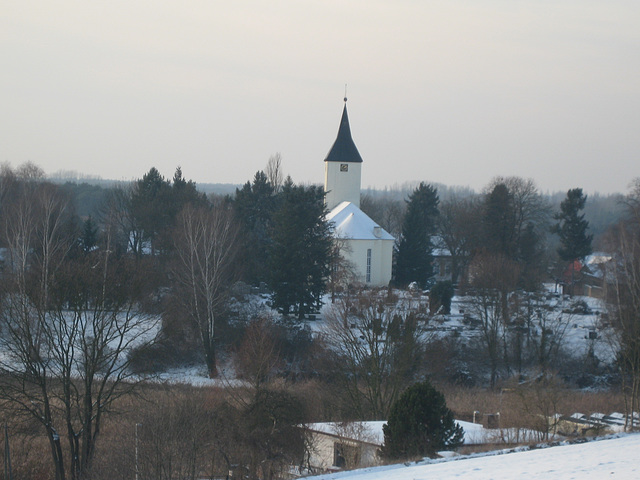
x,y
367,246
348,445
344,445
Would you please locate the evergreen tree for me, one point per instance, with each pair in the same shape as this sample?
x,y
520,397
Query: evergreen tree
x,y
420,424
414,250
155,203
89,238
499,222
298,254
514,221
440,297
532,258
184,192
572,227
150,206
254,204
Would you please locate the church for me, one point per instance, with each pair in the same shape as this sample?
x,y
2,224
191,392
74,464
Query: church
x,y
367,246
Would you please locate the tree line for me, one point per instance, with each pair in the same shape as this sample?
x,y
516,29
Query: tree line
x,y
509,219
81,297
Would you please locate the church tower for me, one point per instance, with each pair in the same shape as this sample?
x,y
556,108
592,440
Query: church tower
x,y
367,246
342,167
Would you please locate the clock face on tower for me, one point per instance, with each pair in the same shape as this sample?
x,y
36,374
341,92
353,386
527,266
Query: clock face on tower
x,y
344,167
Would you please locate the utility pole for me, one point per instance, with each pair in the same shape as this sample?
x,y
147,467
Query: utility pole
x,y
7,454
136,448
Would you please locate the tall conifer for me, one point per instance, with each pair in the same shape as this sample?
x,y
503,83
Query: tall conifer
x,y
299,250
572,227
420,424
414,249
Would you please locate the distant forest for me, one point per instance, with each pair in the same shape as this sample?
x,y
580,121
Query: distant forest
x,y
601,211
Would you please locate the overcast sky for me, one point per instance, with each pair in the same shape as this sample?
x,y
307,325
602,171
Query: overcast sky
x,y
454,92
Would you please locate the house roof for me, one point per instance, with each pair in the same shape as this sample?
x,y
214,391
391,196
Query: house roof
x,y
365,432
343,149
439,248
351,222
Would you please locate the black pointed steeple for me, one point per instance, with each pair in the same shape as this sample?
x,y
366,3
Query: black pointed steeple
x,y
343,149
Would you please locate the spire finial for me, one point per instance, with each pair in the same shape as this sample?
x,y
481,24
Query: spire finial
x,y
345,93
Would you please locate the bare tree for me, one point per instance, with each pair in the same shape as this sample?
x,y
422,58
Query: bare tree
x,y
516,220
22,321
68,323
179,436
388,212
459,231
378,343
543,329
7,183
624,299
632,200
258,357
266,416
206,245
271,433
118,212
540,399
342,272
528,205
494,279
29,171
274,173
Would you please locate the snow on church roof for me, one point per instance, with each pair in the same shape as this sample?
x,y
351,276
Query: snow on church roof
x,y
351,222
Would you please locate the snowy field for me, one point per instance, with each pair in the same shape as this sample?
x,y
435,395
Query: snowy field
x,y
614,458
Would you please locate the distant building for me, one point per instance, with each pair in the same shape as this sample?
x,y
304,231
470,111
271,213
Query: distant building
x,y
348,445
367,246
587,277
582,425
442,262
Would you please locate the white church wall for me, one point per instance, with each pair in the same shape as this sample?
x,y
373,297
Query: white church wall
x,y
381,257
342,183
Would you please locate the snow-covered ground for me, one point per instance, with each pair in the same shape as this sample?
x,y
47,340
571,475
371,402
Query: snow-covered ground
x,y
474,434
582,333
197,376
579,332
615,457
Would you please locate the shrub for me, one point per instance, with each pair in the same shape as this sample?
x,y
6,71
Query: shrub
x,y
420,424
440,297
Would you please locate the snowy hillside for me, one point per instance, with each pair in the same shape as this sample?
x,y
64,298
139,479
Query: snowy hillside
x,y
578,332
615,457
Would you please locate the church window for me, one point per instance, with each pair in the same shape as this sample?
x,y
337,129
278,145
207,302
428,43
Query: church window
x,y
368,265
